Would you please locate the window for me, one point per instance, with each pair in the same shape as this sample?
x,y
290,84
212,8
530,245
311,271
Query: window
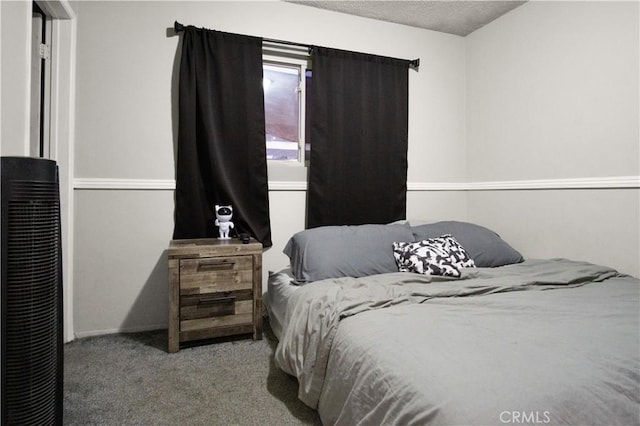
x,y
285,83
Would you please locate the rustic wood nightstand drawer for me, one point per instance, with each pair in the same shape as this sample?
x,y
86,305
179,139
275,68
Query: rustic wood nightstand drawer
x,y
215,274
244,315
215,304
215,289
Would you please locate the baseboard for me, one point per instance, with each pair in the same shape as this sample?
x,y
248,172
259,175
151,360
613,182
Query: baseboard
x,y
611,182
94,333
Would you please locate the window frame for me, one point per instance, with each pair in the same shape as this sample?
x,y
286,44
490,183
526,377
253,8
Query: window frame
x,y
302,63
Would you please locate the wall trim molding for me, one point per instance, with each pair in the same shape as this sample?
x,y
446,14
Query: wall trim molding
x,y
613,182
287,186
124,184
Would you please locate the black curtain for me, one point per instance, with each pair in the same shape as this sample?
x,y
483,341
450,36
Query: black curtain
x,y
359,132
221,138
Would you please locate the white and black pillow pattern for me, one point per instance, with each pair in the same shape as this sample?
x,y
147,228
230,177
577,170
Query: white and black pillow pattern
x,y
434,256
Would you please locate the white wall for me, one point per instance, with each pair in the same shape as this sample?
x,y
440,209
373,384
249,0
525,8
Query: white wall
x,y
552,93
15,45
549,91
126,131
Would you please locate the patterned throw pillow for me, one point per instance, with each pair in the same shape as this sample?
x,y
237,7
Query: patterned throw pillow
x,y
434,256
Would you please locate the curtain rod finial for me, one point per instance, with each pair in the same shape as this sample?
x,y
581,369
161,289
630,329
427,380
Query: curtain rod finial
x,y
415,63
178,27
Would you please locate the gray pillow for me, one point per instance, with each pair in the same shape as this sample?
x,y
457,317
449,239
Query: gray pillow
x,y
344,251
484,246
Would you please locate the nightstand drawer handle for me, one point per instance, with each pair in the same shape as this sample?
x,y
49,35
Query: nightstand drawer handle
x,y
214,266
216,299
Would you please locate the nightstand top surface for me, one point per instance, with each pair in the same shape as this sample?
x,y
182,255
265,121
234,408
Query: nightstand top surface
x,y
202,247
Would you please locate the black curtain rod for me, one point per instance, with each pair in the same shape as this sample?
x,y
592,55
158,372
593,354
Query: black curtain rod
x,y
178,28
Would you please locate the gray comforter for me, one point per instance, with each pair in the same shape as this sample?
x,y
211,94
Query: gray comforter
x,y
541,342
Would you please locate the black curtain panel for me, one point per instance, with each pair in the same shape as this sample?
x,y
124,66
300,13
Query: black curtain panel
x,y
359,132
221,138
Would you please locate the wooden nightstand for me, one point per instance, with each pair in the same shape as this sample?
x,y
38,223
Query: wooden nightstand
x,y
215,289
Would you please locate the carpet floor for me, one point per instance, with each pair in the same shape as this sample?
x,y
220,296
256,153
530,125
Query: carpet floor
x,y
130,379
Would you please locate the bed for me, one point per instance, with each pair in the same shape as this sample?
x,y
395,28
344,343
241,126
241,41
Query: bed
x,y
501,341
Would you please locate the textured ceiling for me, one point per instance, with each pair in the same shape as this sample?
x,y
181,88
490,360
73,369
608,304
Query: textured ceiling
x,y
453,16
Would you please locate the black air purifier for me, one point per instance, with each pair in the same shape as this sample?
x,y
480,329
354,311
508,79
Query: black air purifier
x,y
32,345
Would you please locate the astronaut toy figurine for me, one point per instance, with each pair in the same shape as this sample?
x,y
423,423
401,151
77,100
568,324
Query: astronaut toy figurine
x,y
223,220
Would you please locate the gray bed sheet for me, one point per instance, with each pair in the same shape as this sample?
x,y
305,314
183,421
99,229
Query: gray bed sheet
x,y
541,342
280,286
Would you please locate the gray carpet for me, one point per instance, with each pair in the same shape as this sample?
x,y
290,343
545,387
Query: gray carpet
x,y
130,379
